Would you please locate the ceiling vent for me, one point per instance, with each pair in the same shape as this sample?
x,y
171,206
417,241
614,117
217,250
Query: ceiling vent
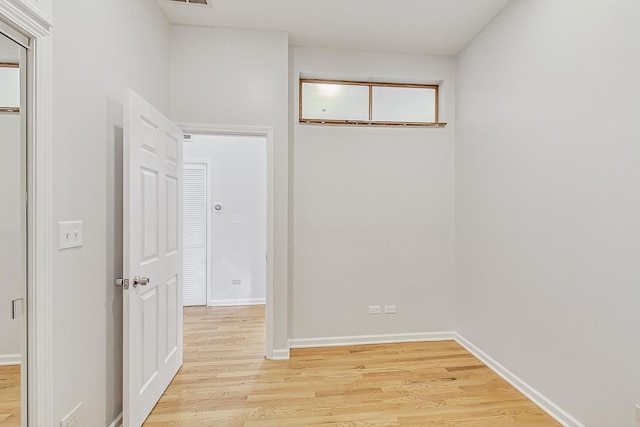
x,y
199,2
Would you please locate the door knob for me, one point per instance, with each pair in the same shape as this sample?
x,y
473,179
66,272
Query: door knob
x,y
142,281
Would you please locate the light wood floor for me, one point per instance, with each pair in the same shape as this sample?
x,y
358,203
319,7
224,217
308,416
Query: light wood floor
x,y
10,396
225,381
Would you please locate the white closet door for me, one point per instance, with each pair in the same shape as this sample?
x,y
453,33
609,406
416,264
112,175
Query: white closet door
x,y
195,233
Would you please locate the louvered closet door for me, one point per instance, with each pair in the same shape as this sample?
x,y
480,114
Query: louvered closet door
x,y
195,233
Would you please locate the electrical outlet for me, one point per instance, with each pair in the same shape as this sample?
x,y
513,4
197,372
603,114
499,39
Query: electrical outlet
x,y
389,309
374,309
72,418
236,282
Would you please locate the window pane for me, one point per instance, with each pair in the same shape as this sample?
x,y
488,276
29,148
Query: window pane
x,y
335,101
404,104
9,87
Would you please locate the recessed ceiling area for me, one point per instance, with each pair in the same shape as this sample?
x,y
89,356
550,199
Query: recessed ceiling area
x,y
436,27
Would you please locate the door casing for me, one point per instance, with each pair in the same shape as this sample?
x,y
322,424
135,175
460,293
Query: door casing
x,y
30,22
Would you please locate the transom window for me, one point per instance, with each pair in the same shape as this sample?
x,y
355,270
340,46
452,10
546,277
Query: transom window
x,y
368,103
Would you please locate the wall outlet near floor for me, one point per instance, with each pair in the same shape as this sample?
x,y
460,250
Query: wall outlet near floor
x,y
72,418
236,282
374,309
389,309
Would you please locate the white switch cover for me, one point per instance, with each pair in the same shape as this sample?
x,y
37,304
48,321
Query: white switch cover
x,y
236,219
389,309
69,234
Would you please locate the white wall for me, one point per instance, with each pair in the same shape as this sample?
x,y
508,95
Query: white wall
x,y
237,77
99,48
12,235
373,209
237,180
547,201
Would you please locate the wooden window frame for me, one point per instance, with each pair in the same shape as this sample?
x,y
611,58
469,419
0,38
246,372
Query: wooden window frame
x,y
4,109
370,122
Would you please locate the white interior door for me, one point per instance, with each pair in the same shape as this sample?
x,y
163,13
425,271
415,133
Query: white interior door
x,y
196,227
152,257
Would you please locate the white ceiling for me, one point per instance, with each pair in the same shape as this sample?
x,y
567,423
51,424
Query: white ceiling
x,y
439,27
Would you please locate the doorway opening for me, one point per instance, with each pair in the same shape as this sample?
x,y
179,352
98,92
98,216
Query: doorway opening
x,y
30,29
225,219
228,219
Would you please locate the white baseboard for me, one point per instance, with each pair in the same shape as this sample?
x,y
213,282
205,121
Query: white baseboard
x,y
10,359
279,354
532,394
117,422
370,339
230,302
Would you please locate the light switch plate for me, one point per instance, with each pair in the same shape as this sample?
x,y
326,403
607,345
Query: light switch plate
x,y
69,234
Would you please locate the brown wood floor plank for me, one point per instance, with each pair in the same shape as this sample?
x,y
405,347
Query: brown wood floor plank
x,y
226,382
10,396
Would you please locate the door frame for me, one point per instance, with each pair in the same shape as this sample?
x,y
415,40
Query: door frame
x,y
27,19
267,133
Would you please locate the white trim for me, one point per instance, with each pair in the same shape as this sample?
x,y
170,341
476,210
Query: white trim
x,y
40,308
117,422
280,354
370,339
29,20
231,302
531,393
266,132
10,359
25,17
14,35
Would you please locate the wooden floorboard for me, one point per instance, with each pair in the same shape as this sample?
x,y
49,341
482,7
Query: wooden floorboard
x,y
225,381
10,396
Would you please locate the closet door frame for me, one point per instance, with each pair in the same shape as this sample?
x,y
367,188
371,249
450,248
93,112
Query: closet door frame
x,y
26,20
